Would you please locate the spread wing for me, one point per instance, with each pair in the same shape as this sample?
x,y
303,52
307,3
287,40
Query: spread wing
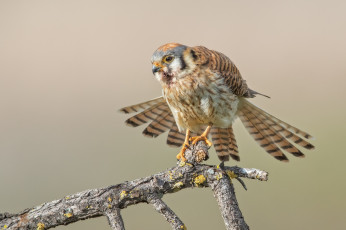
x,y
157,113
222,65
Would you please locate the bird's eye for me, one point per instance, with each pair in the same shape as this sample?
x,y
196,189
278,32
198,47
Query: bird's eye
x,y
168,59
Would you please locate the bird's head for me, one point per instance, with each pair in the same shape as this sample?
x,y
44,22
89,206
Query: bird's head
x,y
172,62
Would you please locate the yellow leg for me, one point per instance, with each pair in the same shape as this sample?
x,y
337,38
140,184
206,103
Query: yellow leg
x,y
181,154
203,137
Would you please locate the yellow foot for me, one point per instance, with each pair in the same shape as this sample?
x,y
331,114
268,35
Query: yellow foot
x,y
200,138
181,154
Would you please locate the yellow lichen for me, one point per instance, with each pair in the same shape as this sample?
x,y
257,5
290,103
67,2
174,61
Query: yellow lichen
x,y
123,194
183,163
5,226
67,198
109,199
231,174
170,175
199,180
178,185
89,206
68,215
183,227
109,206
40,226
134,193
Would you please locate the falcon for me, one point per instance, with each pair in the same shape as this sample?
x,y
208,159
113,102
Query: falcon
x,y
203,93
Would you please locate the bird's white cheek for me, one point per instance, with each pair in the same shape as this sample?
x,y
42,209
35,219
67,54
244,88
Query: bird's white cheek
x,y
175,66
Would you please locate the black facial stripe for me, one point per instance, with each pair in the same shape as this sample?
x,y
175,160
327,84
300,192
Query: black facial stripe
x,y
183,64
194,55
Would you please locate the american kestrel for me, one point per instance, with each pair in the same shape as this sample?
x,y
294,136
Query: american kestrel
x,y
203,93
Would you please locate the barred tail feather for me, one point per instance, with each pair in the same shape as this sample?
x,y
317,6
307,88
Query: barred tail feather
x,y
220,144
232,145
224,143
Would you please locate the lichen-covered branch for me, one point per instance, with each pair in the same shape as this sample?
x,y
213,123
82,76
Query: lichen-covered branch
x,y
110,200
163,209
114,219
226,199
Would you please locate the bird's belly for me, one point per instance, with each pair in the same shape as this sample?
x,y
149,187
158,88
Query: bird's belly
x,y
195,112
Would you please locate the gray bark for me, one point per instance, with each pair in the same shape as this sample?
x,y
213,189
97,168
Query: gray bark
x,y
114,219
110,200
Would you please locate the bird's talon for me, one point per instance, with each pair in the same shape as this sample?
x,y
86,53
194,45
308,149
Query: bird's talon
x,y
200,138
208,143
181,154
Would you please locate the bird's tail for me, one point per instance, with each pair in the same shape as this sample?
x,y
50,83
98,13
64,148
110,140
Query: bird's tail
x,y
224,143
271,133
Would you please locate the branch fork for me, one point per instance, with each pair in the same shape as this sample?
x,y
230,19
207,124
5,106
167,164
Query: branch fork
x,y
110,200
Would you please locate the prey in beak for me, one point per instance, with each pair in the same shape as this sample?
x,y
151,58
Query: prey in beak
x,y
161,71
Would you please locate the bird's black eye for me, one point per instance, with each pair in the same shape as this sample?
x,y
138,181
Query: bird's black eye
x,y
168,59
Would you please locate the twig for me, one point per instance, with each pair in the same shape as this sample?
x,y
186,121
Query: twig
x,y
114,219
226,199
169,215
110,200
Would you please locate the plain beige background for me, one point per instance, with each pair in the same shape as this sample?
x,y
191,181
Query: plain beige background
x,y
67,66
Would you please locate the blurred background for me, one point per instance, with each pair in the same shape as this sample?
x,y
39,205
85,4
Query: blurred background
x,y
67,66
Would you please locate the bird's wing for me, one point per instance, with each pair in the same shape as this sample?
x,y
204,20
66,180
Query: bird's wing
x,y
161,119
142,106
272,134
222,65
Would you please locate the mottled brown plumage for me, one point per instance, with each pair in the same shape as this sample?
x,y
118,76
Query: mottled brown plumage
x,y
220,64
204,90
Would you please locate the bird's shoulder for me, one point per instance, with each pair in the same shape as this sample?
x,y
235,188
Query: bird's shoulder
x,y
220,64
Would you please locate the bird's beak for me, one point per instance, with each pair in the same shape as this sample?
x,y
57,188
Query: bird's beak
x,y
156,67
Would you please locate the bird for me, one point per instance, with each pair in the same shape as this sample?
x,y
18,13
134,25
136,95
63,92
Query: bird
x,y
203,93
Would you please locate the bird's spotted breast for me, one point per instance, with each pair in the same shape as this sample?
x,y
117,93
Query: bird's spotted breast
x,y
200,99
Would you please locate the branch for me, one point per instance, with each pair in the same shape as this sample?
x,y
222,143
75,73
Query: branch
x,y
114,219
226,199
169,215
110,200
